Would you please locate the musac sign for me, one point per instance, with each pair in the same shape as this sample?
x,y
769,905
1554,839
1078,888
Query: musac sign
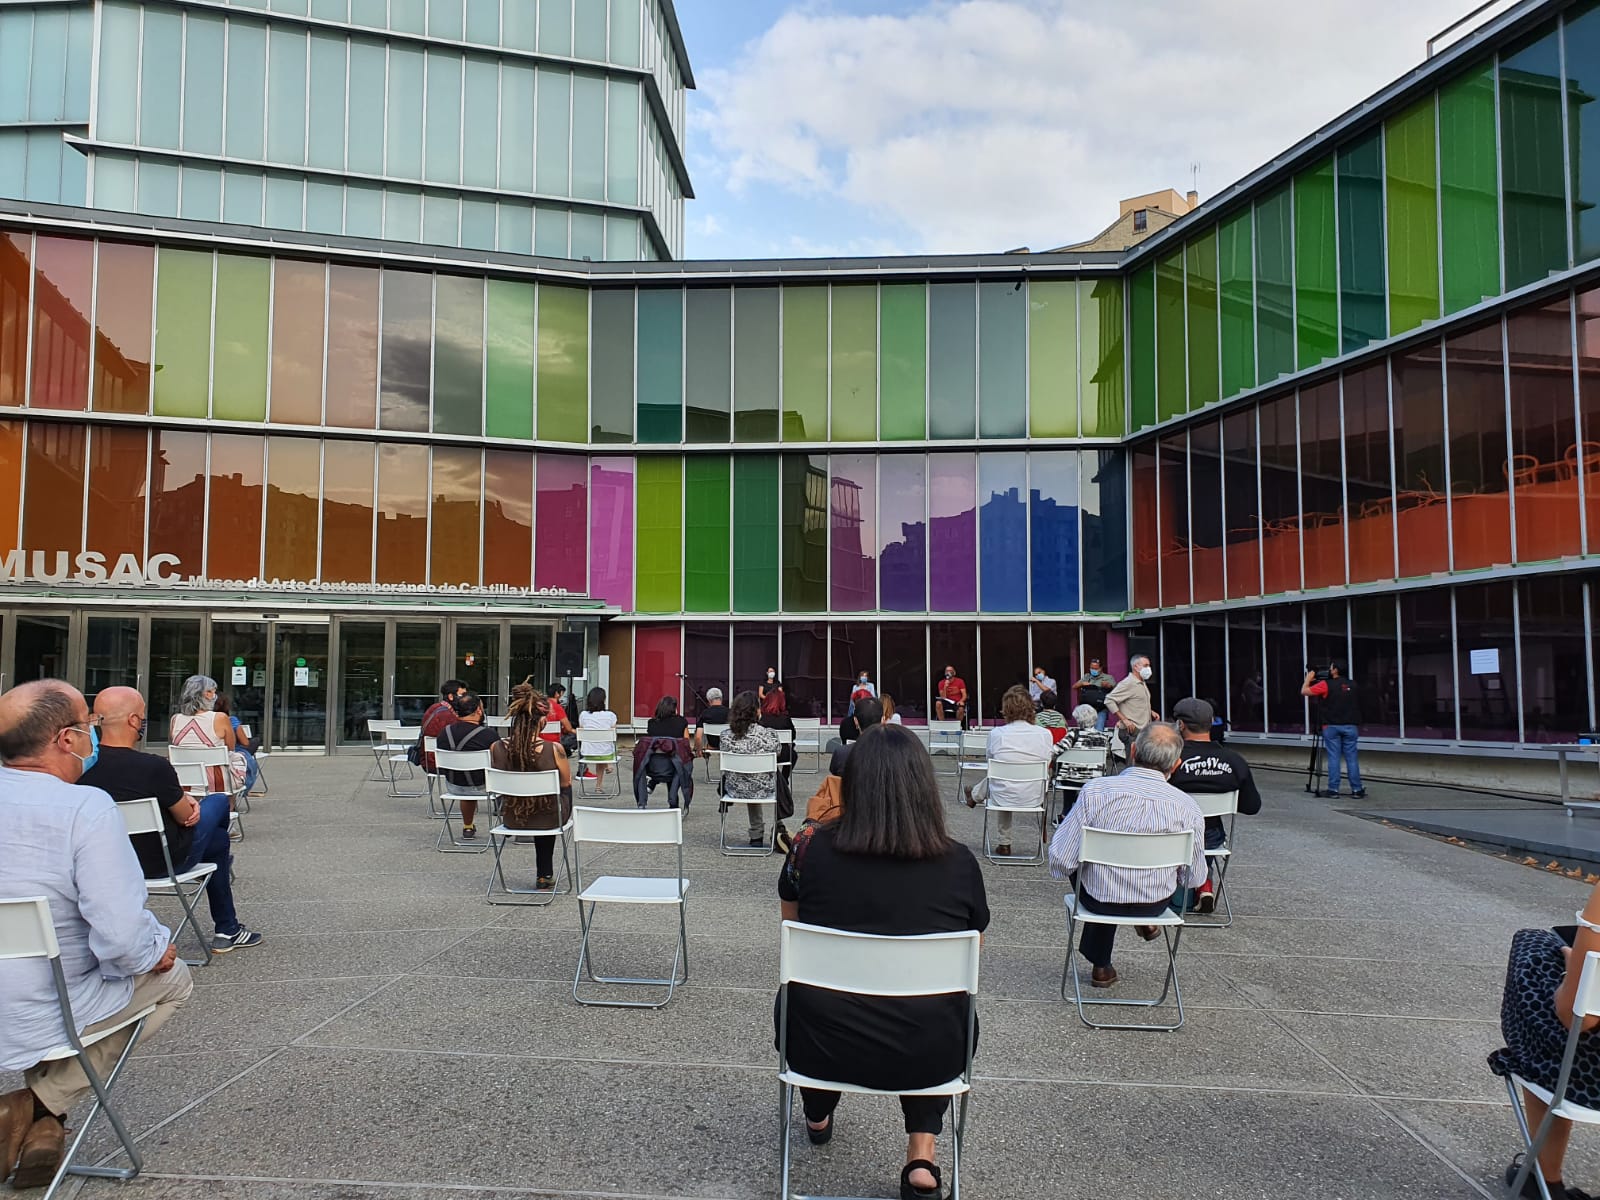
x,y
89,566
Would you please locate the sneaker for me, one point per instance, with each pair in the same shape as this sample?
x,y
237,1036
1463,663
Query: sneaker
x,y
224,942
590,775
1359,793
1205,899
758,839
1003,850
469,832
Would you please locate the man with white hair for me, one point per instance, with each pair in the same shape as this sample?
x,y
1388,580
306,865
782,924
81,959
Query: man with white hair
x,y
714,713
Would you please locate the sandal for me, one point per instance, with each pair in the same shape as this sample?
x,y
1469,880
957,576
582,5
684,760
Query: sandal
x,y
907,1192
820,1137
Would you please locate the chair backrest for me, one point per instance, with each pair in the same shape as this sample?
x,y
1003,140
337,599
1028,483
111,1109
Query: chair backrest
x,y
524,783
975,741
374,725
205,756
461,760
244,732
26,930
430,744
802,724
1587,1002
1138,851
1216,804
785,736
141,816
551,726
928,964
603,743
630,827
404,733
713,730
1083,756
1019,772
748,764
943,729
192,777
497,722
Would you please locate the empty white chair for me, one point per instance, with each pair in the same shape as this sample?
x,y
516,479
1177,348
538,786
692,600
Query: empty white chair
x,y
26,931
457,760
972,755
747,764
1036,774
526,783
864,964
261,771
144,816
430,750
628,827
1225,807
378,733
597,749
1133,851
808,738
397,754
944,738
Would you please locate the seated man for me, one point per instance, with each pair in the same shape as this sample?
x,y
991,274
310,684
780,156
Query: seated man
x,y
1209,768
68,843
467,732
1140,800
951,702
714,713
433,721
1020,740
197,831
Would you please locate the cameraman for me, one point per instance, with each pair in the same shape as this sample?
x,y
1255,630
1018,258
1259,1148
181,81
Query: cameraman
x,y
1341,725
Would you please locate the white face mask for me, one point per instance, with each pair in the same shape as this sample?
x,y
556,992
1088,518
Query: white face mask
x,y
772,674
1144,672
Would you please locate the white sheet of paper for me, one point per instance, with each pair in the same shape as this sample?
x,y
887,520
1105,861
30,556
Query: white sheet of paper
x,y
1484,662
302,677
239,675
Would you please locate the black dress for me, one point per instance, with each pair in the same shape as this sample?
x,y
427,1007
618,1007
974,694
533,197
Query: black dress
x,y
1536,1040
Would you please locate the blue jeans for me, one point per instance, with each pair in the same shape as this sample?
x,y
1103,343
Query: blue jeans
x,y
252,769
1340,741
1100,719
211,845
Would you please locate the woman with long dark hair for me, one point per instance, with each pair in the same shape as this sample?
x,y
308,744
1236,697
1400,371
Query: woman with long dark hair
x,y
885,865
747,735
524,749
597,719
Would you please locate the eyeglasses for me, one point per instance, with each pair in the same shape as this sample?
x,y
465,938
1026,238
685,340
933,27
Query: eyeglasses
x,y
94,720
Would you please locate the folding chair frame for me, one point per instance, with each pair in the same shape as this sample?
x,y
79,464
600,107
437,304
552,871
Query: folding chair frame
x,y
1041,810
611,760
498,837
940,744
1169,984
808,740
979,760
186,893
725,806
1221,858
707,732
586,919
448,799
401,753
378,734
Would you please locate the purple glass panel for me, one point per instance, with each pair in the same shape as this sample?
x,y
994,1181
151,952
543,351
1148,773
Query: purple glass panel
x,y
902,534
852,515
611,530
953,532
560,549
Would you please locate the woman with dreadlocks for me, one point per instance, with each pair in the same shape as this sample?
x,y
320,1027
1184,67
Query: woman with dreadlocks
x,y
522,749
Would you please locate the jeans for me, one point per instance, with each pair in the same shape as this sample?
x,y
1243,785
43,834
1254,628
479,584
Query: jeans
x,y
1340,741
1100,719
211,845
252,769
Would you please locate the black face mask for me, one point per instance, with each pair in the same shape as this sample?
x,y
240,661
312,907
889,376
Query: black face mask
x,y
144,724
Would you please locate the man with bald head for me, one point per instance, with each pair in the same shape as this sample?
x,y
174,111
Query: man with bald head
x,y
67,843
197,831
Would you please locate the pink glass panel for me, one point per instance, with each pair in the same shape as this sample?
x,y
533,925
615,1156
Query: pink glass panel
x,y
560,544
611,530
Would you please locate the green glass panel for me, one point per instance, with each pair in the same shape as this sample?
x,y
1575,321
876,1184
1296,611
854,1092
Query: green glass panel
x,y
805,364
1274,287
1142,330
239,362
707,503
611,366
854,389
903,362
1409,165
755,533
458,355
708,364
1236,265
509,384
1200,262
1102,394
1316,270
563,387
1053,358
952,360
1361,291
1583,127
1002,360
805,532
1469,199
755,365
1171,382
1532,161
660,366
183,332
658,544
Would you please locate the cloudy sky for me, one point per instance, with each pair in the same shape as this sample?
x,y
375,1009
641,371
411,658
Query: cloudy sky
x,y
905,126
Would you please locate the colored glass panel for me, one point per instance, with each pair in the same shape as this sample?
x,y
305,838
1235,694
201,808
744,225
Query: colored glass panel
x,y
952,533
233,524
294,478
1053,529
1543,426
1241,504
1421,524
1469,198
1102,395
755,533
52,512
1369,487
611,533
1204,504
183,333
1582,33
563,386
508,518
117,473
1274,238
457,497
63,291
508,379
1321,486
1103,498
122,328
1003,531
1002,359
1480,504
407,351
805,532
611,366
660,367
177,496
1142,330
1146,528
1200,266
14,285
560,551
1171,372
299,292
902,533
1316,266
708,364
1410,168
853,540
903,362
352,388
805,364
952,360
1053,358
657,662
1280,498
347,507
854,388
1363,301
708,534
755,364
660,549
1533,161
1236,268
402,536
458,355
240,346
1172,470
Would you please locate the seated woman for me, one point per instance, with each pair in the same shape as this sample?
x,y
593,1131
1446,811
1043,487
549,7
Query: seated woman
x,y
252,769
667,722
525,749
595,719
890,717
746,735
198,723
886,865
775,716
1535,1019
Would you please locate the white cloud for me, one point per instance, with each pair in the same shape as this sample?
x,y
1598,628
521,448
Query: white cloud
x,y
983,124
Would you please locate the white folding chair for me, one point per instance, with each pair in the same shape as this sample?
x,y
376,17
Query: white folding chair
x,y
1078,756
525,783
397,754
628,827
862,964
944,739
552,728
219,757
430,750
1137,852
1557,1107
497,722
1038,775
972,754
709,732
192,779
1225,807
27,931
808,738
457,760
144,816
747,764
378,734
597,749
261,770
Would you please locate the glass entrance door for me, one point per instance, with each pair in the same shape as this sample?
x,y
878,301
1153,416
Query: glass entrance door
x,y
174,656
361,676
41,648
111,655
300,686
239,665
477,663
530,654
416,669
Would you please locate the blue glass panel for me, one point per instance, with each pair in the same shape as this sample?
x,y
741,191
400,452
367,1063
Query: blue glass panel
x,y
1105,531
1053,520
1003,531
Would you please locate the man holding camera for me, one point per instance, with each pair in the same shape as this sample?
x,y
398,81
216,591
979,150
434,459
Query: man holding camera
x,y
1341,725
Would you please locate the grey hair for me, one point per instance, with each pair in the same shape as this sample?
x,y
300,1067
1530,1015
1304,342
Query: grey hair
x,y
1159,746
1084,716
192,699
1133,663
53,707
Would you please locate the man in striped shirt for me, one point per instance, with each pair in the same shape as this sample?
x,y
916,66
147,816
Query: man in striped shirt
x,y
1140,800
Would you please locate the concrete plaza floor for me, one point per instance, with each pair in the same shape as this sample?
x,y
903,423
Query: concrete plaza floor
x,y
395,1036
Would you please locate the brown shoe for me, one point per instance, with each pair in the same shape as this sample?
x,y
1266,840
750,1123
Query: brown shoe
x,y
16,1114
1148,932
1103,977
41,1154
1003,850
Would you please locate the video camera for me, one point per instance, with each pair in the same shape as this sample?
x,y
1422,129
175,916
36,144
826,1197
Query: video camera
x,y
1320,672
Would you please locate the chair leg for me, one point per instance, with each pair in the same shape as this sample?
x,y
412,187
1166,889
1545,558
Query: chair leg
x,y
1169,984
447,831
506,890
958,1134
186,901
735,851
785,1131
680,957
102,1103
1530,1158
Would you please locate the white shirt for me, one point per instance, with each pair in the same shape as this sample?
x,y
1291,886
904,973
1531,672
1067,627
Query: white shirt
x,y
599,722
1018,742
1039,685
893,719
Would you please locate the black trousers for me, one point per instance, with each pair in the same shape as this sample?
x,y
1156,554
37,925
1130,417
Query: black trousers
x,y
1095,941
924,1114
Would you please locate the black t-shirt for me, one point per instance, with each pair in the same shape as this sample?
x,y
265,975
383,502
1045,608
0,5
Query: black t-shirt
x,y
1209,768
714,714
674,726
127,774
889,1043
464,735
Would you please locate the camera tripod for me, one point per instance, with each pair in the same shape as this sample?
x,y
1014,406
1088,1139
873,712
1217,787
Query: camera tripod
x,y
1314,765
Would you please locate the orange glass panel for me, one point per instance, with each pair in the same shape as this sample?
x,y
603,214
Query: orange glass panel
x,y
298,290
1172,459
402,514
508,518
1369,488
10,481
1543,430
457,478
177,496
352,347
1480,461
1583,457
13,317
233,545
347,512
122,328
1146,538
294,470
1321,485
52,513
63,289
117,474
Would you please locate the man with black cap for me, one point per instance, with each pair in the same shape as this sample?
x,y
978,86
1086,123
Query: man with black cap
x,y
1207,768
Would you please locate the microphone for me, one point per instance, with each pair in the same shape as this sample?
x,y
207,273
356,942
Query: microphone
x,y
681,675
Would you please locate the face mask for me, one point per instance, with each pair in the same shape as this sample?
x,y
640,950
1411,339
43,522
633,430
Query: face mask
x,y
1038,674
1144,672
144,724
94,749
772,674
207,703
863,679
